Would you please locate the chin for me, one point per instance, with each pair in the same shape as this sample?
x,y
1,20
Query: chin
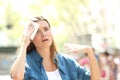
x,y
45,45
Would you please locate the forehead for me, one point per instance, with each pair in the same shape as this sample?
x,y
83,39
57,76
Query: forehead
x,y
43,24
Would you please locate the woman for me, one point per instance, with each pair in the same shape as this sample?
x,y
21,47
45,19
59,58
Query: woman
x,y
38,59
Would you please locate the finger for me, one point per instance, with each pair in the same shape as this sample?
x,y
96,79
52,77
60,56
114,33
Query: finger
x,y
28,31
32,30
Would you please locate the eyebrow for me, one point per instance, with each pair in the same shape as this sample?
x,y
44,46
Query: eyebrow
x,y
44,27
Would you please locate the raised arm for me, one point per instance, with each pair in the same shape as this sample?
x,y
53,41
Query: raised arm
x,y
18,67
94,68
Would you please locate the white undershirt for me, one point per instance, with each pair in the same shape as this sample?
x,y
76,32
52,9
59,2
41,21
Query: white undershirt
x,y
54,75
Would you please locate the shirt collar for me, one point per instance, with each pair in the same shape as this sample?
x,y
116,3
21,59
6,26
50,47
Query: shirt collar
x,y
35,55
58,63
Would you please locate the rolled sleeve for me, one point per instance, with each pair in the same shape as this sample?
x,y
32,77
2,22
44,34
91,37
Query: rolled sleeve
x,y
83,72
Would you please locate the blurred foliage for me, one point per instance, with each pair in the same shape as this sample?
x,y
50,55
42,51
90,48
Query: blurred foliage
x,y
69,18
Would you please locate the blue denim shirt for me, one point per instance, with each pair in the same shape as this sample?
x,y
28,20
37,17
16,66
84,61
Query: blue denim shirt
x,y
68,68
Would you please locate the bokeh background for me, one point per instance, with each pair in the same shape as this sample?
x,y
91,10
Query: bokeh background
x,y
92,22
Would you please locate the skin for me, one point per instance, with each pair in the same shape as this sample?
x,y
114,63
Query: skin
x,y
42,47
94,68
42,42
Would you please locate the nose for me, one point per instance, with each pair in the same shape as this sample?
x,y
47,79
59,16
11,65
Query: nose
x,y
43,33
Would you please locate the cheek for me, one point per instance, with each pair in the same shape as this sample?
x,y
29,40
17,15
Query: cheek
x,y
49,33
37,36
36,39
50,37
35,42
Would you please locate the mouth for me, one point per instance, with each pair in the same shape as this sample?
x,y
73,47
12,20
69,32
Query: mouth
x,y
44,40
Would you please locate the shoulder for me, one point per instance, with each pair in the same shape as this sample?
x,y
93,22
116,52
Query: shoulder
x,y
66,59
32,59
69,64
63,56
69,60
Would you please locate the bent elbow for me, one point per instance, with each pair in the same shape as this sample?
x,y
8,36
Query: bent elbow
x,y
16,76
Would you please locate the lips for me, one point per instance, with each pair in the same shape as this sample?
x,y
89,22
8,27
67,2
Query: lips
x,y
44,40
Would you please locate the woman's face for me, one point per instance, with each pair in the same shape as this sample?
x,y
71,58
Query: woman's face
x,y
43,37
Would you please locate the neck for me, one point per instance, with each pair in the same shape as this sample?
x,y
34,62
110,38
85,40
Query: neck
x,y
48,63
45,53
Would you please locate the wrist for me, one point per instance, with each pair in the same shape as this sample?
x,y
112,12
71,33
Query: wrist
x,y
90,51
25,41
23,45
